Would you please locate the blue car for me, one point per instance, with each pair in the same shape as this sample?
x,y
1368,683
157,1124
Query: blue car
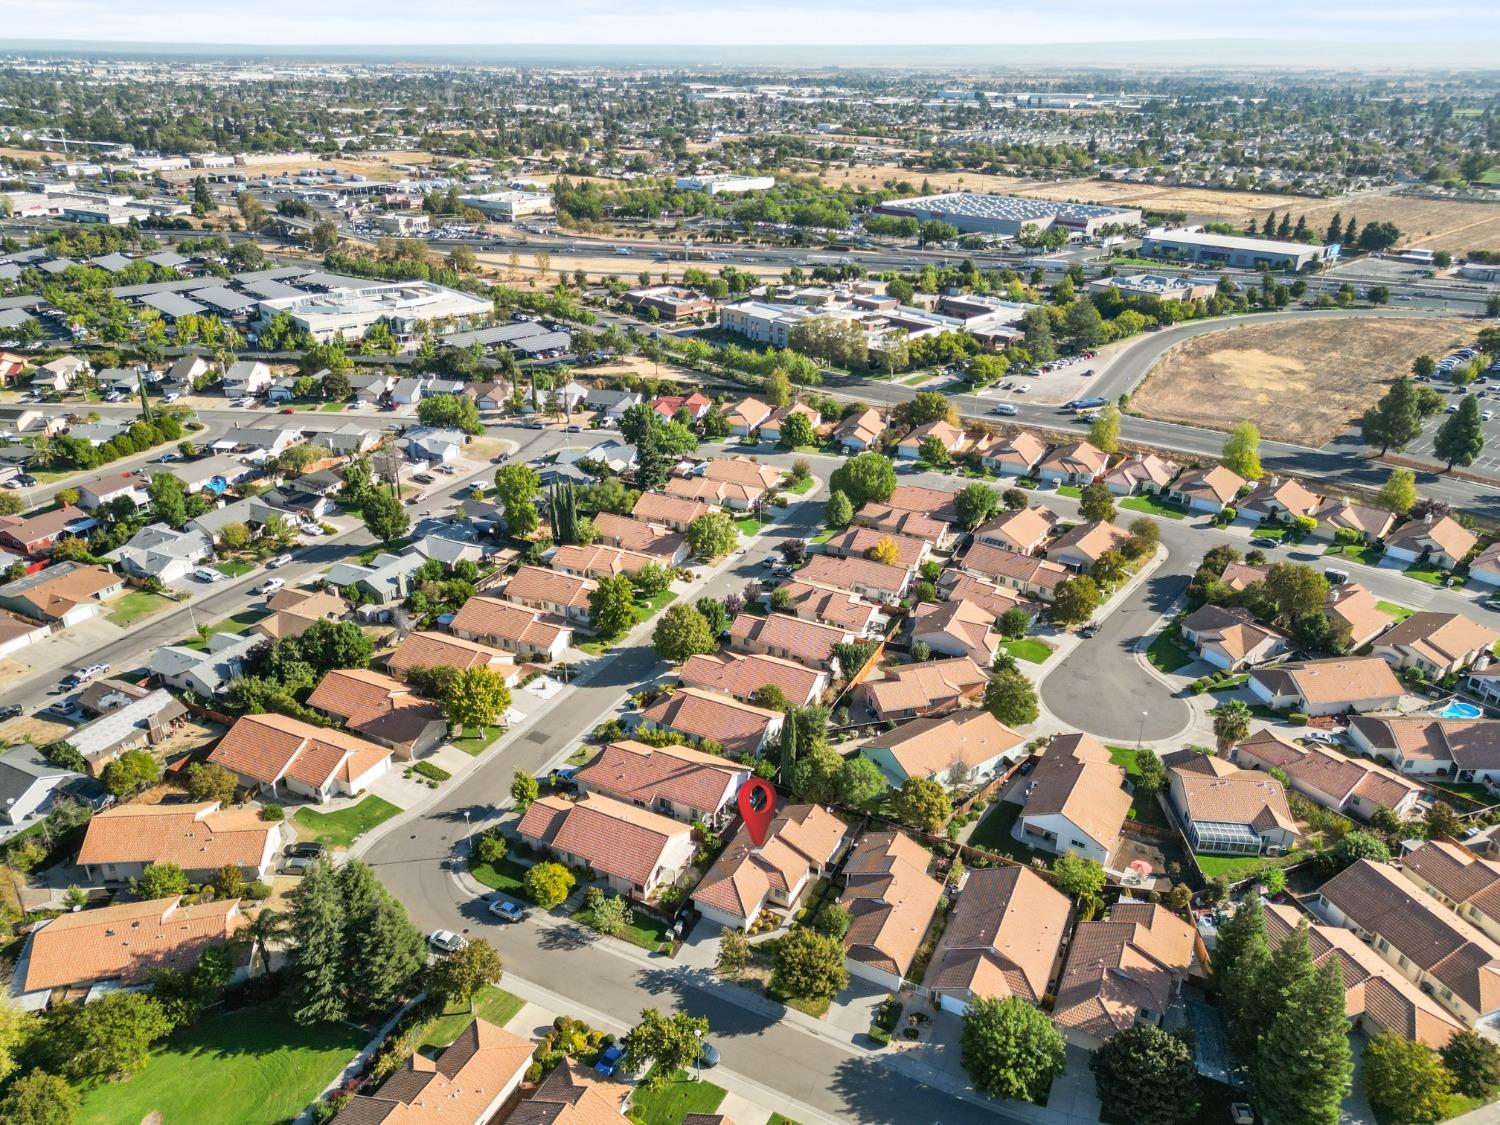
x,y
609,1060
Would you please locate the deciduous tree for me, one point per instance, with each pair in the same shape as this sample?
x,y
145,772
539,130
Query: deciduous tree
x,y
1242,451
1097,503
809,965
661,1046
682,632
461,974
612,605
1075,600
384,517
922,803
1010,1048
1146,1076
974,504
863,478
1406,1079
1011,698
712,535
476,698
548,884
1399,492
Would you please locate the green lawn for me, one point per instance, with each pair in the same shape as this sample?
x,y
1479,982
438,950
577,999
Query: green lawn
x,y
330,407
993,832
490,1003
801,487
1432,575
650,607
254,1066
1070,490
342,828
240,623
1167,652
133,605
778,1119
749,525
1399,612
1359,552
1153,506
475,739
1032,649
1239,867
1147,809
669,1104
825,535
504,876
234,568
647,931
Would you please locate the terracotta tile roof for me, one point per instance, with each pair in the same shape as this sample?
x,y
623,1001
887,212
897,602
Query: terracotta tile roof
x,y
1142,469
1341,680
809,642
1090,540
997,562
456,1088
1235,796
889,909
1342,777
919,525
1341,512
663,507
958,621
1274,494
1467,743
1076,779
927,747
849,573
1269,750
611,836
738,727
1442,639
637,535
519,624
1022,530
572,1095
1237,575
1373,988
747,412
831,605
1359,609
1116,968
995,599
1375,898
855,541
742,470
715,491
865,426
635,772
537,584
265,748
1458,874
598,560
428,650
951,436
1077,457
1214,483
1023,450
743,676
930,685
933,502
376,705
126,943
1445,532
194,837
801,838
1003,937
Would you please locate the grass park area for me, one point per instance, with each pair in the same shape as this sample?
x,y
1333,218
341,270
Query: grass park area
x,y
646,930
133,605
1167,652
669,1104
1358,552
490,1003
1399,612
1153,506
253,1066
1147,810
342,828
1030,649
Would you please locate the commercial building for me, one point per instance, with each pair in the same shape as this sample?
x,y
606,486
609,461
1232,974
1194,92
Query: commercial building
x,y
1160,286
725,184
669,301
350,311
1235,250
974,213
509,205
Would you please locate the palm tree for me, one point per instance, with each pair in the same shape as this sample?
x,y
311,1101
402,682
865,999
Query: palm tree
x,y
266,927
1231,723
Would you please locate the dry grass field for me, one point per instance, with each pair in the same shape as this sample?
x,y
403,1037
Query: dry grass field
x,y
1433,224
1300,382
624,266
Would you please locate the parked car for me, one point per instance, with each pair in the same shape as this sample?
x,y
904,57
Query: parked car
x,y
10,711
170,396
609,1060
447,470
446,941
708,1055
1264,541
207,574
296,865
66,709
307,849
507,911
1006,409
278,561
269,586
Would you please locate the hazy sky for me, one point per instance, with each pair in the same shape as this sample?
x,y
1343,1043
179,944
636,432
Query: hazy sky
x,y
834,22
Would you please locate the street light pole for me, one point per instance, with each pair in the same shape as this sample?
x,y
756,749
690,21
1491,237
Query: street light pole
x,y
468,843
1140,730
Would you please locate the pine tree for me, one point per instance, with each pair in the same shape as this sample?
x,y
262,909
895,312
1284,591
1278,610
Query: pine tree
x,y
1351,232
1284,228
788,750
1335,229
1393,422
317,930
1239,983
1303,1066
1301,229
1268,228
1236,935
1460,438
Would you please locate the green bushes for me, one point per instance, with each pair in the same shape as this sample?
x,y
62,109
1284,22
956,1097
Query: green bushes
x,y
1298,718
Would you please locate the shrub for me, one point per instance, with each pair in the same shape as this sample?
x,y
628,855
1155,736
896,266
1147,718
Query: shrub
x,y
427,769
272,811
1299,718
879,1035
257,891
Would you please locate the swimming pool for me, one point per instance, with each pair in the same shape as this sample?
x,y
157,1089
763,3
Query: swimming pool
x,y
1456,710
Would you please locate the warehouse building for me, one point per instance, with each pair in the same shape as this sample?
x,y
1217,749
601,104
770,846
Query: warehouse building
x,y
510,205
1235,250
725,184
973,213
351,311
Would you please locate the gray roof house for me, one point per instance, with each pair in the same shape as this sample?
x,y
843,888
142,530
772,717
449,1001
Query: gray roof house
x,y
610,403
426,443
348,439
161,552
449,545
388,580
96,433
140,723
214,522
29,784
267,439
246,377
205,673
185,370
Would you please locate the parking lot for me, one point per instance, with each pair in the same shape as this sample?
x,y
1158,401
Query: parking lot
x,y
1488,461
1071,378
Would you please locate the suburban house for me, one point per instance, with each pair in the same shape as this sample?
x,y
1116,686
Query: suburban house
x,y
514,628
59,375
1122,972
856,542
1461,880
204,672
1377,997
1225,810
258,441
831,605
675,512
770,429
160,552
743,676
1485,569
1078,462
1076,800
598,561
1004,938
891,901
66,593
1442,542
1328,687
996,600
901,521
1079,548
1018,455
1435,644
1337,514
573,1094
663,544
740,728
947,435
676,781
879,582
908,690
1208,490
957,749
696,404
426,649
200,838
934,503
1025,530
720,493
955,627
791,638
1466,750
1229,638
1037,578
35,534
1144,472
802,844
552,591
107,487
636,851
1431,945
610,405
1336,781
1278,499
282,755
382,709
1351,606
246,377
29,784
133,725
186,371
120,946
388,578
468,1083
294,612
860,431
745,416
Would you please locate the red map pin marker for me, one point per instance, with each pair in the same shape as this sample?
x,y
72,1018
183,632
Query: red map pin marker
x,y
757,805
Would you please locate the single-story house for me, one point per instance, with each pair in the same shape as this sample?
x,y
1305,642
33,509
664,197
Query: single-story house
x,y
743,676
1228,637
134,725
1037,578
440,650
859,431
1024,530
1018,455
740,728
675,512
955,627
746,416
662,543
1278,498
791,638
928,688
1351,606
1328,687
29,784
879,582
205,672
1076,800
802,843
66,593
814,601
160,552
278,754
858,542
957,749
1466,750
1144,472
382,709
770,429
1209,490
1339,513
200,838
1335,781
636,851
1225,810
514,628
1078,462
675,781
1435,644
1441,542
35,534
552,591
1080,547
891,901
949,436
